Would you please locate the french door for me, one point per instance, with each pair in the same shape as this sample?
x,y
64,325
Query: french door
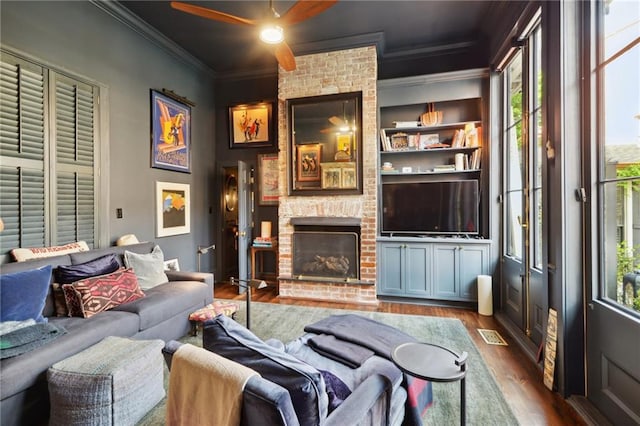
x,y
613,295
245,221
524,295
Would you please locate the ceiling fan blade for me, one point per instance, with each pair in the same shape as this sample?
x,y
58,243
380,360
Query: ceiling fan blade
x,y
211,14
285,58
305,9
337,121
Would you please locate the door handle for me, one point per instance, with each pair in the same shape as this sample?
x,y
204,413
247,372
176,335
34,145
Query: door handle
x,y
243,234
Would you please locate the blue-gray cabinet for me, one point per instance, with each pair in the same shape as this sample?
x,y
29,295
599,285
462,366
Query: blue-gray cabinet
x,y
456,267
404,269
433,269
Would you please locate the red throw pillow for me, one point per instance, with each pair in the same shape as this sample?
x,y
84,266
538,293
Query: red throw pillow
x,y
87,297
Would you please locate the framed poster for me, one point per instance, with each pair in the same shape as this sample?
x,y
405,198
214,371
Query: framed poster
x,y
268,191
308,162
173,209
170,133
250,125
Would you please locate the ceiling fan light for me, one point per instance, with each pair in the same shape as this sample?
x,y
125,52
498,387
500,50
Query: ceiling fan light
x,y
272,34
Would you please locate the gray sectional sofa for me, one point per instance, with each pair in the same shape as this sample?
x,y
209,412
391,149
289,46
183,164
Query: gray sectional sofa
x,y
162,314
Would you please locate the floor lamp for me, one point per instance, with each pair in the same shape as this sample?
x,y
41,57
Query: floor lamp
x,y
248,285
204,250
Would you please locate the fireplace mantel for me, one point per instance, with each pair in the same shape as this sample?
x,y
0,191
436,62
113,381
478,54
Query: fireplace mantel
x,y
325,221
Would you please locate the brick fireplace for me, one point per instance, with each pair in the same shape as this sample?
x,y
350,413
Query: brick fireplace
x,y
322,74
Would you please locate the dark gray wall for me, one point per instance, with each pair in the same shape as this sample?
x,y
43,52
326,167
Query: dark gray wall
x,y
84,39
231,92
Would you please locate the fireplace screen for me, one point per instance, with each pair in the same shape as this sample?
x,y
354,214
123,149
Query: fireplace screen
x,y
330,255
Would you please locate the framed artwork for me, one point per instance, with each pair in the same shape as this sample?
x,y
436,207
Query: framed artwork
x,y
173,209
268,191
331,177
348,177
308,162
170,133
343,146
171,265
250,125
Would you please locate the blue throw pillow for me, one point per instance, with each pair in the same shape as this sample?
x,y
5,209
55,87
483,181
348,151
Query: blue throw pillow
x,y
227,338
67,274
23,294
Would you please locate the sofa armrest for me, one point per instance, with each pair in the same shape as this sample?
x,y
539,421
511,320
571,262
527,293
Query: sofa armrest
x,y
203,277
267,403
372,399
169,349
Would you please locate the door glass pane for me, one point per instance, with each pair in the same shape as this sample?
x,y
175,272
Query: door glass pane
x,y
537,159
514,158
619,133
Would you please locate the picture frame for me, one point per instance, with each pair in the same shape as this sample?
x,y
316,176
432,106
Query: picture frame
x,y
250,125
348,177
173,209
170,133
308,162
428,139
171,265
343,147
331,177
268,189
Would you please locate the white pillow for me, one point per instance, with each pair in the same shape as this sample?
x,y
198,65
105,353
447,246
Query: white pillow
x,y
22,254
149,268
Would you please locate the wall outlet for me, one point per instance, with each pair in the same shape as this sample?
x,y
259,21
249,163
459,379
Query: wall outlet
x,y
119,213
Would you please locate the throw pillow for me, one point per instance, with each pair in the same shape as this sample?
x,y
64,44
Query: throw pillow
x,y
305,384
59,301
22,254
67,274
23,294
90,296
149,268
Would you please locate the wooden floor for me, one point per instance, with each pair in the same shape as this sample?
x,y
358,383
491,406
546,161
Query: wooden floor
x,y
517,375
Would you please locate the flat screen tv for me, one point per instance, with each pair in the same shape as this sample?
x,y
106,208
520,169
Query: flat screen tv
x,y
444,207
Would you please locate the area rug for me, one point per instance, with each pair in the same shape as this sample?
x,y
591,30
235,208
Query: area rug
x,y
485,402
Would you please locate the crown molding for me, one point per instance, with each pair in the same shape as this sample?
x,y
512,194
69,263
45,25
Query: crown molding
x,y
122,14
342,43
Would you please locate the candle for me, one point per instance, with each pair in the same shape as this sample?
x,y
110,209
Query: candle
x,y
485,297
265,229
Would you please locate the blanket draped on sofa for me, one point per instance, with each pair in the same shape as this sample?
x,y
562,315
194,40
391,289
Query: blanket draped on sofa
x,y
381,339
25,339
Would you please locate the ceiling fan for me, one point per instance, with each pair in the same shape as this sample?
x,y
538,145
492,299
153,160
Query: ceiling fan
x,y
272,26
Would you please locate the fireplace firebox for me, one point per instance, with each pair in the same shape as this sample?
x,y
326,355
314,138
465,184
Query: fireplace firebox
x,y
326,250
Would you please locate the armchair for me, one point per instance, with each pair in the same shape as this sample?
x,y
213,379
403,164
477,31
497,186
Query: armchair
x,y
298,386
267,403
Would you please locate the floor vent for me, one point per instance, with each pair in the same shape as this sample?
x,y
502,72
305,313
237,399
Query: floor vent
x,y
492,337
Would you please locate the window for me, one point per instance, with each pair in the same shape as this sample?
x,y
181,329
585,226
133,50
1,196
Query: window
x,y
48,156
617,111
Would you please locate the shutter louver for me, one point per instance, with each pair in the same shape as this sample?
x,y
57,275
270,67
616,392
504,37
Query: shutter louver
x,y
22,208
74,122
75,216
22,117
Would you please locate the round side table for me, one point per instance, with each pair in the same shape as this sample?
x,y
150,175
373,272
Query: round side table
x,y
433,363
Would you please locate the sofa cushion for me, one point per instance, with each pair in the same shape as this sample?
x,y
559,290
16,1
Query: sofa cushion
x,y
149,268
21,372
306,387
23,294
22,254
167,300
67,274
97,294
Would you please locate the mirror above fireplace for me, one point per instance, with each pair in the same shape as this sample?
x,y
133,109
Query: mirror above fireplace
x,y
325,144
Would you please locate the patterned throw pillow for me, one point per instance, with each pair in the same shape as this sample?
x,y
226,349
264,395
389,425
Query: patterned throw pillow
x,y
90,296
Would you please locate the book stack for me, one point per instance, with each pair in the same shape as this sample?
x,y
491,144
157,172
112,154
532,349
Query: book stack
x,y
265,242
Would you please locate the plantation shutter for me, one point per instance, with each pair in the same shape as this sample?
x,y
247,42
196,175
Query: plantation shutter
x,y
22,153
48,162
74,136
